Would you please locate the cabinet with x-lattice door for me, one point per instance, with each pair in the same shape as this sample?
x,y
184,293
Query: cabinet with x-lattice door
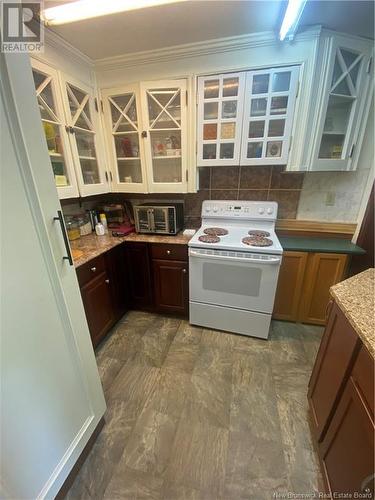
x,y
146,129
71,125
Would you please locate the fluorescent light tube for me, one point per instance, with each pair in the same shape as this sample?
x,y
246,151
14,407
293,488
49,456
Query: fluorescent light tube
x,y
291,18
86,9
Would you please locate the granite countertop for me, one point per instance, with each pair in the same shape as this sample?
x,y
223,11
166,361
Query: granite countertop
x,y
316,244
355,296
90,246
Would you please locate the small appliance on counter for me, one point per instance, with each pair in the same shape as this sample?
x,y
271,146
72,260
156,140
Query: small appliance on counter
x,y
159,218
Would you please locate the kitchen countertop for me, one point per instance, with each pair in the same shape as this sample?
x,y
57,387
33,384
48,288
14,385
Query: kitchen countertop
x,y
90,246
355,296
316,244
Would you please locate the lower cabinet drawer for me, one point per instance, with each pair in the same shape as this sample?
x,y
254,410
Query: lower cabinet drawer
x,y
363,378
165,251
90,270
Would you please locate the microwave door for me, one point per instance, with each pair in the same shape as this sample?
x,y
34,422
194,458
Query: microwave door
x,y
160,219
143,220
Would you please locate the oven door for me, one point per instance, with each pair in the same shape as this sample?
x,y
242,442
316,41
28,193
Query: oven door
x,y
143,222
233,279
160,220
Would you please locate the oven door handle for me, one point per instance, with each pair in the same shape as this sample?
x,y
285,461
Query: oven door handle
x,y
269,260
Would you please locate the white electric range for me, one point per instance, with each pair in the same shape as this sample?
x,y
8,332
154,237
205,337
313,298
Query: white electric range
x,y
234,262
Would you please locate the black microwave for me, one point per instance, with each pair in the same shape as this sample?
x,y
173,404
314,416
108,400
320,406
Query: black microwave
x,y
159,218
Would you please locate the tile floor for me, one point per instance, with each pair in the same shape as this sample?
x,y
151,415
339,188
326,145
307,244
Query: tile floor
x,y
200,414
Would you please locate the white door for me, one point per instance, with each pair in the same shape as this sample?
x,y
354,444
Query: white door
x,y
51,396
51,109
165,135
220,108
84,125
123,133
268,115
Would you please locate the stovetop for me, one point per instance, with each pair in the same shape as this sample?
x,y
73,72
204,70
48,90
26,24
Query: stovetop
x,y
238,218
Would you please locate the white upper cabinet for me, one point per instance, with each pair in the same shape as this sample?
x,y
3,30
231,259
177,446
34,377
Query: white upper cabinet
x,y
72,128
220,107
341,112
146,128
54,125
83,124
165,135
123,128
246,118
268,116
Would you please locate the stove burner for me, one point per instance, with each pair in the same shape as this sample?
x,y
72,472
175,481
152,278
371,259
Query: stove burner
x,y
207,238
258,232
257,241
215,231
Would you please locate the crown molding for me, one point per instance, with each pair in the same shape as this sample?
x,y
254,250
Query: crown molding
x,y
56,41
207,47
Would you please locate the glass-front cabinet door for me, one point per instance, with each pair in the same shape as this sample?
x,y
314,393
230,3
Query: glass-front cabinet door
x,y
268,115
53,122
164,135
347,80
220,105
122,115
83,126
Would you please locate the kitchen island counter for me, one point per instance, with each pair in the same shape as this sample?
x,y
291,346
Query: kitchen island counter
x,y
355,297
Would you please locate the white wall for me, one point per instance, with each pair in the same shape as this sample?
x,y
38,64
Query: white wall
x,y
347,187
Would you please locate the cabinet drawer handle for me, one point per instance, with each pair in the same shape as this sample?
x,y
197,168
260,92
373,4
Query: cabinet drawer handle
x,y
168,252
184,271
106,281
93,269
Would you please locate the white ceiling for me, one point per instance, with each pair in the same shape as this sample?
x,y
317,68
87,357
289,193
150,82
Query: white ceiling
x,y
196,20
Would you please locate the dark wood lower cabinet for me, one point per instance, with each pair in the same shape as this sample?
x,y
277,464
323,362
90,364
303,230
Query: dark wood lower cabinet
x,y
152,277
341,399
97,301
139,275
347,451
171,286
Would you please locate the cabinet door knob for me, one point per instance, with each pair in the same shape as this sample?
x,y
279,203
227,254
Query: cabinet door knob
x,y
144,134
93,269
168,252
106,281
184,271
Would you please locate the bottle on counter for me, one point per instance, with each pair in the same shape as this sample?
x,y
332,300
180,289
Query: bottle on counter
x,y
99,229
103,220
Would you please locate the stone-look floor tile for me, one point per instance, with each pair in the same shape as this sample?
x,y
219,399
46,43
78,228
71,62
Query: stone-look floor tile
x,y
149,446
108,371
133,385
216,338
170,392
188,334
311,337
182,357
285,343
100,464
198,457
129,484
200,414
156,342
291,383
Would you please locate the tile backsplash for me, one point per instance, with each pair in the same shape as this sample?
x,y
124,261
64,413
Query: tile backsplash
x,y
220,183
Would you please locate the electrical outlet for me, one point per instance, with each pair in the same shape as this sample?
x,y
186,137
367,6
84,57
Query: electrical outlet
x,y
330,199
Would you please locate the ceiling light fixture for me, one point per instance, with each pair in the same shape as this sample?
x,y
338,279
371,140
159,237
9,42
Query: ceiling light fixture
x,y
291,18
85,9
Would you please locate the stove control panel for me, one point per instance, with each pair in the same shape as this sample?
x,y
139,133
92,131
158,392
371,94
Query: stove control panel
x,y
263,210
